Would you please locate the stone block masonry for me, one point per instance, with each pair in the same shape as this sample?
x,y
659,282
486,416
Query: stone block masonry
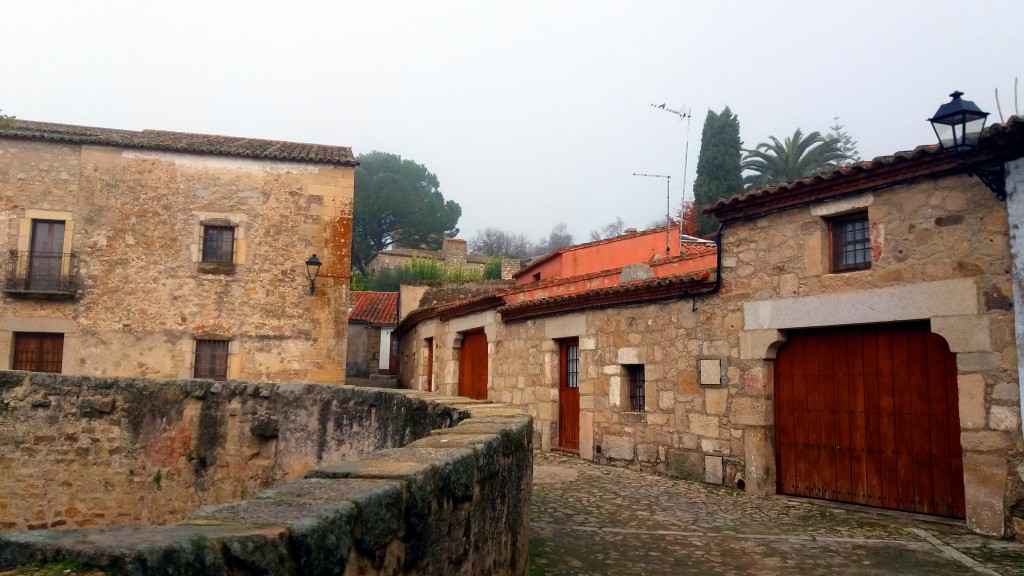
x,y
287,478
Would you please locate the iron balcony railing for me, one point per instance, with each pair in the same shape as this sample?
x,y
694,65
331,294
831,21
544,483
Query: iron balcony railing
x,y
53,274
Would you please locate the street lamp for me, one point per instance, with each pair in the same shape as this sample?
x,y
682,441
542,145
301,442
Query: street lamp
x,y
312,270
958,125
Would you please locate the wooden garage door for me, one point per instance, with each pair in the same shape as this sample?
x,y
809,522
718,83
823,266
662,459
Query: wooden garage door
x,y
868,414
473,365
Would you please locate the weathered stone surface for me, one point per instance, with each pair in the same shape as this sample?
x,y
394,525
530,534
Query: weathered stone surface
x,y
453,502
985,473
971,390
685,464
751,411
618,447
714,473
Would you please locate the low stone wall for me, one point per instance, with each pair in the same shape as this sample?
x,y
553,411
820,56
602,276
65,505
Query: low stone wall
x,y
391,484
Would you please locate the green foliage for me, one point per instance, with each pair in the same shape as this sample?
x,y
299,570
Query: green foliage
x,y
418,271
7,121
719,174
796,157
492,269
398,202
158,477
358,282
846,144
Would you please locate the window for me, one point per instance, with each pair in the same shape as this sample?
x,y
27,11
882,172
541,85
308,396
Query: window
x,y
851,242
218,244
635,375
38,352
572,366
211,361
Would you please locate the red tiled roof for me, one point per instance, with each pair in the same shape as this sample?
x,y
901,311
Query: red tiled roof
x,y
182,142
637,292
1000,141
374,307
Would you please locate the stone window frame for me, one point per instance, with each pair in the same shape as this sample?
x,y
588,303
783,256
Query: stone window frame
x,y
238,222
635,388
31,215
233,357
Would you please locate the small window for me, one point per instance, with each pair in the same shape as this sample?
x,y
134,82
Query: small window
x,y
851,242
38,352
211,361
218,244
635,375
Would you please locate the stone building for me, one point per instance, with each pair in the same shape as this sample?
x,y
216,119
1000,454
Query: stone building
x,y
165,254
371,318
453,255
853,340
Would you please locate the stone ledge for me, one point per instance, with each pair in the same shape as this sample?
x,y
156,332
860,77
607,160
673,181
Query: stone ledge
x,y
441,504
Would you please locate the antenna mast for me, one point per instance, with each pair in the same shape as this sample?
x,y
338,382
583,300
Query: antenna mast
x,y
668,217
687,113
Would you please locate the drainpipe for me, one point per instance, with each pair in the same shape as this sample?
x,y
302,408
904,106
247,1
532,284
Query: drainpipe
x,y
1015,213
718,266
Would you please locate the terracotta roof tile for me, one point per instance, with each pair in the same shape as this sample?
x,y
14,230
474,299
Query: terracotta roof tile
x,y
182,142
374,307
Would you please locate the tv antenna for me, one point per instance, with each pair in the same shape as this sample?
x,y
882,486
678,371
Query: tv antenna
x,y
687,114
668,217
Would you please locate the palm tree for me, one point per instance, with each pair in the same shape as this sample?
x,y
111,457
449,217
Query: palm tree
x,y
786,161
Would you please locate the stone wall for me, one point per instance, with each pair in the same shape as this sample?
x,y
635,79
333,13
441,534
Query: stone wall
x,y
332,479
940,252
134,220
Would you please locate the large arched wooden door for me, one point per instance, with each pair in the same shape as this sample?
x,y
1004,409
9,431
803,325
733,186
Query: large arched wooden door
x,y
473,365
869,415
569,395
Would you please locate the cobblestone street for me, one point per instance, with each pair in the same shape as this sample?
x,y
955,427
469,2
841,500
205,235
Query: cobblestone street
x,y
591,519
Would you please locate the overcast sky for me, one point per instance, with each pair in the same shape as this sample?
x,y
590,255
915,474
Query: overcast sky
x,y
530,113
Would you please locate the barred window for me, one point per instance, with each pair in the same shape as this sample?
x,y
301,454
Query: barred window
x,y
219,244
38,352
211,360
572,366
851,242
635,375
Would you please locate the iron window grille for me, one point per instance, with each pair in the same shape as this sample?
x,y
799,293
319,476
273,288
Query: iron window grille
x,y
218,244
851,242
635,375
211,359
572,366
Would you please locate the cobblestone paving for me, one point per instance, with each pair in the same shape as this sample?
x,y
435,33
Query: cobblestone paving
x,y
591,519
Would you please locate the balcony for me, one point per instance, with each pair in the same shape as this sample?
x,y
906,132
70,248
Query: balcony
x,y
41,275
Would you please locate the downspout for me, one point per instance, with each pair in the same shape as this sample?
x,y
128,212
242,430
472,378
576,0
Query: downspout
x,y
718,265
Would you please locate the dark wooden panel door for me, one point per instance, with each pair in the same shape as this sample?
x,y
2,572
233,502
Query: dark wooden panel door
x,y
869,415
46,255
569,395
473,365
430,364
38,352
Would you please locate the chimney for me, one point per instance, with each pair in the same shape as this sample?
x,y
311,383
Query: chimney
x,y
630,232
453,252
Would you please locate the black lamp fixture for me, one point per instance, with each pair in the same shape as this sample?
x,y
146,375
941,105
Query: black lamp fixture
x,y
958,124
312,270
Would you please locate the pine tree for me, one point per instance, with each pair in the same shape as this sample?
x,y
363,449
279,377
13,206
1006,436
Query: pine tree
x,y
718,168
847,145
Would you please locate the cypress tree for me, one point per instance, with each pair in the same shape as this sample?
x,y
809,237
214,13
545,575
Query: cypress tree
x,y
718,168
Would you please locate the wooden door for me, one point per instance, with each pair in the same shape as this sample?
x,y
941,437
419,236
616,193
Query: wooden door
x,y
46,255
473,365
430,364
38,352
569,395
869,415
